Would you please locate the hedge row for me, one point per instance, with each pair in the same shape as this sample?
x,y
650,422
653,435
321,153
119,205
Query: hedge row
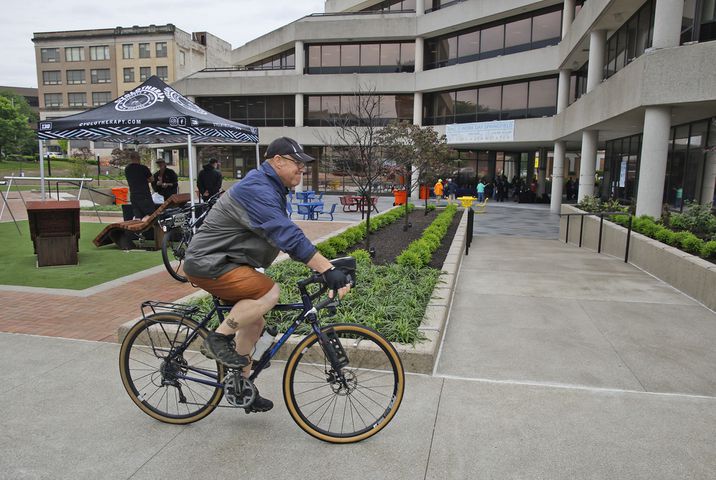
x,y
685,241
420,251
334,246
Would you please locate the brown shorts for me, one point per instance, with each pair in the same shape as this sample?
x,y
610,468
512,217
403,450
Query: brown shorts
x,y
238,284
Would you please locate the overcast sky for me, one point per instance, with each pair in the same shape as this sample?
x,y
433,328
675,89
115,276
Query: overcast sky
x,y
235,21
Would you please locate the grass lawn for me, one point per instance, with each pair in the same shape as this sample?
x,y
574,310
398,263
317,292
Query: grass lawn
x,y
97,265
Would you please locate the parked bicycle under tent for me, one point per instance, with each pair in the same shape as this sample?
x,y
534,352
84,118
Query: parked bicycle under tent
x,y
152,113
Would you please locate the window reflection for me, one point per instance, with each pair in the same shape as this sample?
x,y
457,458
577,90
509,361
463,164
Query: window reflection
x,y
329,110
361,58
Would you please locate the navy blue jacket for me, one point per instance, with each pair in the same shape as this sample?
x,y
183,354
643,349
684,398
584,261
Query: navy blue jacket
x,y
247,226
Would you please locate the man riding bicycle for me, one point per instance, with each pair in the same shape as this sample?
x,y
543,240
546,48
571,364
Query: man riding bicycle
x,y
245,230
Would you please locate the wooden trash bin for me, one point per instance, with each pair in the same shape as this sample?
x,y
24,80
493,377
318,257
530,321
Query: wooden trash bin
x,y
55,231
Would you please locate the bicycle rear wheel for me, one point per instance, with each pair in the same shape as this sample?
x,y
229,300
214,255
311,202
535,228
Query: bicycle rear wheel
x,y
174,245
150,367
344,413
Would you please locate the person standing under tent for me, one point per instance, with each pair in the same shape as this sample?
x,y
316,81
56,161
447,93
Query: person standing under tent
x,y
165,181
209,180
138,178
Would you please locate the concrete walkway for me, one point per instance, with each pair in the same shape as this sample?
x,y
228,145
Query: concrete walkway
x,y
558,363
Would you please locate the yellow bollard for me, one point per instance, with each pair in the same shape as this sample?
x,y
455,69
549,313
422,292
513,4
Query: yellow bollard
x,y
467,201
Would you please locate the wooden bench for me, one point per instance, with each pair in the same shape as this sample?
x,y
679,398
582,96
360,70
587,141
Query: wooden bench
x,y
124,234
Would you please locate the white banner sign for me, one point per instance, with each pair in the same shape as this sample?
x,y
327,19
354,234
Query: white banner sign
x,y
497,131
623,174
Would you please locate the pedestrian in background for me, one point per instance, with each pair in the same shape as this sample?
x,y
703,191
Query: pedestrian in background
x,y
451,190
480,191
209,180
438,190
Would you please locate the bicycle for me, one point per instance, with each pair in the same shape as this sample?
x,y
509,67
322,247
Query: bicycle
x,y
167,378
178,231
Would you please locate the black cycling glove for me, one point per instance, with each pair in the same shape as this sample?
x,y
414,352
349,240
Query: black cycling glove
x,y
335,278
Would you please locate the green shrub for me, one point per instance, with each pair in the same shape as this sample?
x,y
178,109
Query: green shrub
x,y
664,235
646,225
409,258
691,243
327,250
696,219
361,255
708,250
678,238
431,207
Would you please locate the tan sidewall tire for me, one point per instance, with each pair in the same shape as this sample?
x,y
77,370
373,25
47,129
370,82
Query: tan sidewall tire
x,y
140,325
291,364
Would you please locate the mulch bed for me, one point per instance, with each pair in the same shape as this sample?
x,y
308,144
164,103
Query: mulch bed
x,y
390,241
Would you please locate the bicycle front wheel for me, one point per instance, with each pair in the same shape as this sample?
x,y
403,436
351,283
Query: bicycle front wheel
x,y
349,411
174,245
154,372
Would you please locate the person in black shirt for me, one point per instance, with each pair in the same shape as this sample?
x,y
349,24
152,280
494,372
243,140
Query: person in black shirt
x,y
138,177
165,181
209,180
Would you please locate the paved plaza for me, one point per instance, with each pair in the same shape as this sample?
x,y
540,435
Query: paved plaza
x,y
557,363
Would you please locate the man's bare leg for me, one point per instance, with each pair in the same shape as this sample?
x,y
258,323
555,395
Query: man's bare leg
x,y
246,321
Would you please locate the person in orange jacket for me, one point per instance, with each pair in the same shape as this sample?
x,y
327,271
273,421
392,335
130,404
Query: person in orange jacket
x,y
438,189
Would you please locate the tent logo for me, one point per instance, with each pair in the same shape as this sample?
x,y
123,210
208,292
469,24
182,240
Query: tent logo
x,y
139,99
177,121
181,100
46,126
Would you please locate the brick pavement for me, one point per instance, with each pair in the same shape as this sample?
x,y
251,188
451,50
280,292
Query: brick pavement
x,y
98,316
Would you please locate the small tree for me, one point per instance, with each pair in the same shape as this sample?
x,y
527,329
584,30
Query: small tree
x,y
414,148
15,132
356,149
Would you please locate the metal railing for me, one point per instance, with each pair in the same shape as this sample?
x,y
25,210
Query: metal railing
x,y
469,234
601,216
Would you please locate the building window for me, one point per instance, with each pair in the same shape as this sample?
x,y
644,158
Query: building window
x,y
527,99
386,57
75,77
329,110
49,55
281,61
51,77
144,73
144,50
392,6
161,49
630,40
78,99
129,75
127,51
182,58
53,100
101,75
515,34
99,53
258,111
100,98
163,73
74,54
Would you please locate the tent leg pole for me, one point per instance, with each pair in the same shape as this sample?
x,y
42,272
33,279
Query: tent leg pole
x,y
191,177
42,172
258,160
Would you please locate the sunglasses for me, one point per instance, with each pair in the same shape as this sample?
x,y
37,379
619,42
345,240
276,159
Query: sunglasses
x,y
300,165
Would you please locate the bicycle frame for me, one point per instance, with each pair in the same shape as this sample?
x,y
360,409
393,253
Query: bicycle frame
x,y
309,312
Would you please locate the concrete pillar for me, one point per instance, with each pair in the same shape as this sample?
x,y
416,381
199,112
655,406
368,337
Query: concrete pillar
x,y
417,120
298,110
300,57
557,177
595,72
563,90
652,168
418,109
587,164
567,16
542,172
419,54
709,180
667,23
419,7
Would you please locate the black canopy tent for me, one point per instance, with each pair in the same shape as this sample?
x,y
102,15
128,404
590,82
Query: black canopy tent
x,y
151,113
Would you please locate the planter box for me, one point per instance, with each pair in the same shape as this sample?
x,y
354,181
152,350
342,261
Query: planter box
x,y
687,273
419,358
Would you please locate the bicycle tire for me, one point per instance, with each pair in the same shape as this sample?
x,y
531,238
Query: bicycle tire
x,y
303,371
174,251
148,339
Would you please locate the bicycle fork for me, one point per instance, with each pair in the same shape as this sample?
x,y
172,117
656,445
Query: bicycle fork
x,y
336,354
